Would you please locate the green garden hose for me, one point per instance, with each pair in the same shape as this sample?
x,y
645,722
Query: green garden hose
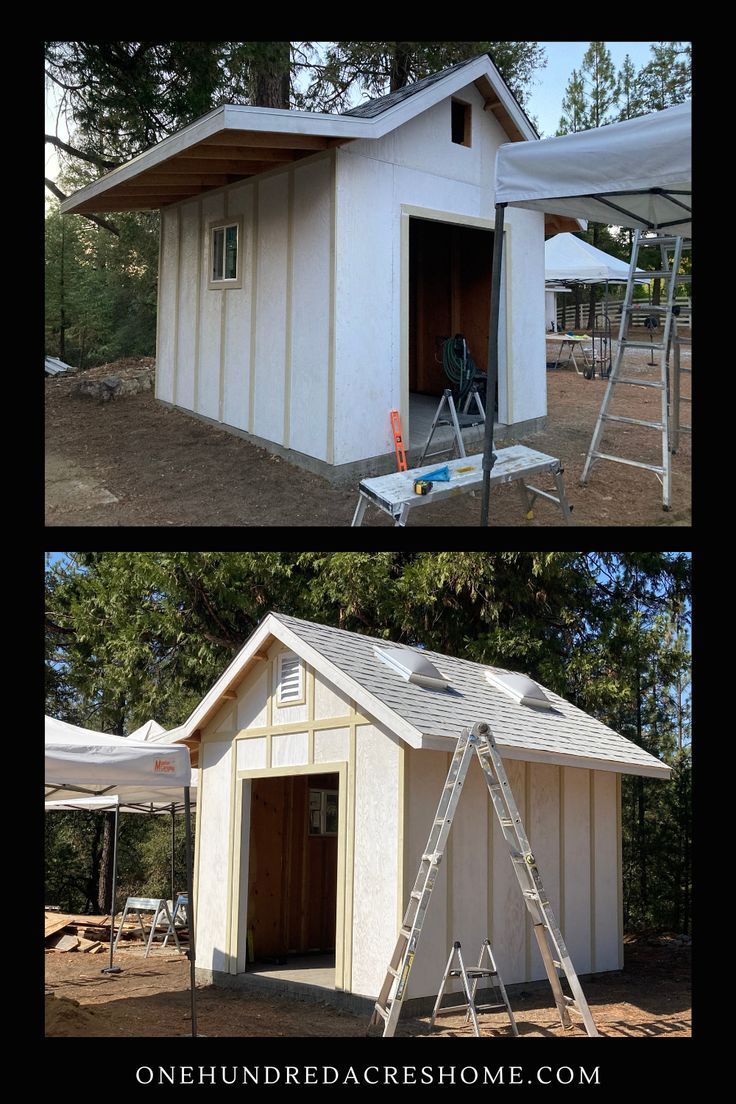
x,y
460,370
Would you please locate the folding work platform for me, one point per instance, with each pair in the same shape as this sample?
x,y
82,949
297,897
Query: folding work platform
x,y
394,494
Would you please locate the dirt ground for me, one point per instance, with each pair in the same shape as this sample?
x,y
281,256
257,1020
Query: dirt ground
x,y
650,998
133,462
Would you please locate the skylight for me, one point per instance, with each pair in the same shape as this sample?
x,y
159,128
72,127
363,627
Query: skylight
x,y
522,689
413,666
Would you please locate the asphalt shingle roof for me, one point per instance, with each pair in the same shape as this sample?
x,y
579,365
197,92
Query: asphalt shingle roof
x,y
564,730
371,108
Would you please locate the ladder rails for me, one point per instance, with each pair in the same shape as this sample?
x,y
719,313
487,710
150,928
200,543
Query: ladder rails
x,y
458,422
479,741
474,974
671,273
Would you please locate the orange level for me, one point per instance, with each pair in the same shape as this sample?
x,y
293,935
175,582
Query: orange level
x,y
398,440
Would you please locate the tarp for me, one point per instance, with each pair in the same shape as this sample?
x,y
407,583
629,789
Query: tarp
x,y
637,173
83,763
569,258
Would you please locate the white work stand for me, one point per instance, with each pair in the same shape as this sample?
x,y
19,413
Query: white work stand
x,y
394,494
159,907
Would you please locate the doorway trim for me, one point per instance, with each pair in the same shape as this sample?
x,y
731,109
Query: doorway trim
x,y
239,865
408,211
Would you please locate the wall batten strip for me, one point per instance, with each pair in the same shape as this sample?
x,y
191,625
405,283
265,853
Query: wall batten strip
x,y
528,922
591,777
175,380
159,282
561,787
253,313
332,336
289,305
619,873
223,327
200,251
350,863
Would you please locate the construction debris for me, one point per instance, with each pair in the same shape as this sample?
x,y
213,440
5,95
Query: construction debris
x,y
91,934
65,943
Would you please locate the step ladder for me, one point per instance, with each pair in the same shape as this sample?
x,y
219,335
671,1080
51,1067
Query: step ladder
x,y
670,272
458,422
475,974
479,741
678,370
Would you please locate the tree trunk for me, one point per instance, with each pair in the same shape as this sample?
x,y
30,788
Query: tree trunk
x,y
591,308
94,875
656,292
272,77
62,312
400,66
577,306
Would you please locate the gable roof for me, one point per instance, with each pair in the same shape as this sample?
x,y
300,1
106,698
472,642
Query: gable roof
x,y
425,718
233,142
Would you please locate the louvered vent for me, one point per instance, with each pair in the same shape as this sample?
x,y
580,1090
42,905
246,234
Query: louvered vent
x,y
290,678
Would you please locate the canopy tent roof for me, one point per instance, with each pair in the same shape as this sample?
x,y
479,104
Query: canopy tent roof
x,y
84,763
637,173
567,257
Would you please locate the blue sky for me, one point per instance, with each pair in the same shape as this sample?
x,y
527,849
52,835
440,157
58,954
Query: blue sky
x,y
545,101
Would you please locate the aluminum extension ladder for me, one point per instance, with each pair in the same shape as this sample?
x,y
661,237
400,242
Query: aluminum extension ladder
x,y
479,741
458,422
475,974
670,271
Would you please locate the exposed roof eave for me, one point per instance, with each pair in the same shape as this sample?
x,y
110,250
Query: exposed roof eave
x,y
225,145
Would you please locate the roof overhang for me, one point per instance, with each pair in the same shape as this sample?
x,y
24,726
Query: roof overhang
x,y
254,651
233,143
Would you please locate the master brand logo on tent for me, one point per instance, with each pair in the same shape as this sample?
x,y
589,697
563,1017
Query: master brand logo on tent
x,y
164,766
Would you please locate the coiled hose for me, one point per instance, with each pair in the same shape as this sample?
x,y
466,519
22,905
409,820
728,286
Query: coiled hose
x,y
460,370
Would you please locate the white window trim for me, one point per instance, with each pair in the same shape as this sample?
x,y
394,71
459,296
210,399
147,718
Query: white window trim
x,y
222,224
323,812
302,699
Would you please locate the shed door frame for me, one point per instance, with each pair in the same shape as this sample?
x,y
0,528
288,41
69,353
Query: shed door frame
x,y
239,867
505,374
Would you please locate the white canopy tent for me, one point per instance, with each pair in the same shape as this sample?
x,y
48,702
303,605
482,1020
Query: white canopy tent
x,y
569,258
84,765
636,174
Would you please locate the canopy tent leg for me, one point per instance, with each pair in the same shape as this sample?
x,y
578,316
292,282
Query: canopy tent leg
x,y
492,376
190,910
110,969
173,845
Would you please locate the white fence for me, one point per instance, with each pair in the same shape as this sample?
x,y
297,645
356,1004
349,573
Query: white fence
x,y
567,320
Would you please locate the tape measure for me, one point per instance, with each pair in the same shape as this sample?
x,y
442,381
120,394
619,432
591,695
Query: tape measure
x,y
422,486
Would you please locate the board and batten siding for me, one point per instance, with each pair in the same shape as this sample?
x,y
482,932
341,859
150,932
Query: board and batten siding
x,y
417,171
571,818
256,357
252,736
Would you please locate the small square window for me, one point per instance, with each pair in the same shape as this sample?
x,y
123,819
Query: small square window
x,y
460,122
224,255
323,812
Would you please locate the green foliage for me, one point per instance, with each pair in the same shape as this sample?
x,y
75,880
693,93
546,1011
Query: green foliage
x,y
100,290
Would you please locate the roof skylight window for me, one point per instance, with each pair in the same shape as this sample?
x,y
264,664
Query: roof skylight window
x,y
522,689
413,666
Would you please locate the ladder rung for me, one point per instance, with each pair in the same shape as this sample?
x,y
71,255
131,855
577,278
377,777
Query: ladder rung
x,y
631,421
648,307
416,894
631,463
506,821
473,972
642,344
489,1007
406,932
639,383
557,964
394,973
383,1012
433,857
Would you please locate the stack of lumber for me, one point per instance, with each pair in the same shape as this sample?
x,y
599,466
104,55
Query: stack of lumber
x,y
91,934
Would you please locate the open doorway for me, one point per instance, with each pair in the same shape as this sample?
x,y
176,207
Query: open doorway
x,y
449,293
292,877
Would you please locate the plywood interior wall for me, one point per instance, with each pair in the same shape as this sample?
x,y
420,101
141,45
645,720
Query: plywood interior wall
x,y
449,293
292,877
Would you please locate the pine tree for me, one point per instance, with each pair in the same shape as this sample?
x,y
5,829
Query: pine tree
x,y
574,108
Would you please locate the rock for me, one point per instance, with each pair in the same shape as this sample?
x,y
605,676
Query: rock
x,y
112,387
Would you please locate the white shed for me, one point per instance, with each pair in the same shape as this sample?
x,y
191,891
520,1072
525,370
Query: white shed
x,y
310,264
320,771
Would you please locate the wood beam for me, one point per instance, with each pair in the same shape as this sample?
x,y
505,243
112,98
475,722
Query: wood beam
x,y
254,138
229,695
239,152
220,165
214,180
148,189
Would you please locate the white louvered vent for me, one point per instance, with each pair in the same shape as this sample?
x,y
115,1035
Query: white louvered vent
x,y
291,675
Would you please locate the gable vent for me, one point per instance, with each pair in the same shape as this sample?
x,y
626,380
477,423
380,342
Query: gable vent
x,y
413,666
522,689
291,678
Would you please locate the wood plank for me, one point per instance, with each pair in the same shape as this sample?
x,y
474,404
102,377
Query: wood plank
x,y
65,943
242,152
86,945
55,921
160,189
215,180
266,141
230,164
